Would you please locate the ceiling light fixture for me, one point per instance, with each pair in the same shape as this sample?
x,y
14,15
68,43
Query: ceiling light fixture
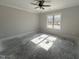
x,y
40,4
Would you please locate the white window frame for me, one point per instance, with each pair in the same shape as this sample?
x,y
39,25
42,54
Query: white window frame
x,y
53,23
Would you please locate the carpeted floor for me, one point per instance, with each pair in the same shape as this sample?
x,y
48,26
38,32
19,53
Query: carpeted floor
x,y
62,48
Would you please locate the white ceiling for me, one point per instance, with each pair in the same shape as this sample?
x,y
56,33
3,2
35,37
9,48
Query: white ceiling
x,y
26,4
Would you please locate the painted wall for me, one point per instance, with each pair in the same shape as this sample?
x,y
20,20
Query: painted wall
x,y
14,22
69,23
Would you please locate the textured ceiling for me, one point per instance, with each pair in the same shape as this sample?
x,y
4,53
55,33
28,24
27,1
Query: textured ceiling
x,y
25,4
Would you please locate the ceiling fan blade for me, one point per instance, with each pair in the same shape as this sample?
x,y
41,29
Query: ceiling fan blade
x,y
34,3
37,0
46,5
43,8
36,7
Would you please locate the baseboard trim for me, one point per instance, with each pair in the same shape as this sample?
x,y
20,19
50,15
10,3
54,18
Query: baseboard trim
x,y
63,35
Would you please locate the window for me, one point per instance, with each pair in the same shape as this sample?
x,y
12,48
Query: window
x,y
44,41
54,22
50,22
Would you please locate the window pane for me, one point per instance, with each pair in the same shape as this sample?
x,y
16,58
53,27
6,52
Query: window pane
x,y
57,21
49,22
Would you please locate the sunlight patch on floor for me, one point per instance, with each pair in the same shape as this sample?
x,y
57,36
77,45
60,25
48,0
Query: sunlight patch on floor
x,y
46,44
39,39
44,41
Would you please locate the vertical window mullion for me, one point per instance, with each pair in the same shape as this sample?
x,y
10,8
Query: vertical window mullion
x,y
53,22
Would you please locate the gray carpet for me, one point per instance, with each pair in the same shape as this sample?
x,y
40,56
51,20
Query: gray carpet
x,y
61,49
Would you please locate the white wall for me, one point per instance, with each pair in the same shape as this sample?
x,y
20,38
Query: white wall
x,y
69,23
14,22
